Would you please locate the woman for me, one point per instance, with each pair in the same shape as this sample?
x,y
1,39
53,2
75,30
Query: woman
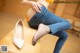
x,y
46,22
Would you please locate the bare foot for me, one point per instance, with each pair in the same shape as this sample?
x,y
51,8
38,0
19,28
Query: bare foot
x,y
42,30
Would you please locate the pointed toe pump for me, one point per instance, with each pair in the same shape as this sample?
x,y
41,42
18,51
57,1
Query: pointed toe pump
x,y
18,37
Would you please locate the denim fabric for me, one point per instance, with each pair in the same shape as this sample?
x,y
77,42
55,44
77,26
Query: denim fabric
x,y
56,24
38,18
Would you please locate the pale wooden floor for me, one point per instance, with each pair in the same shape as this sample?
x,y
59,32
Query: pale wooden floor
x,y
7,22
72,45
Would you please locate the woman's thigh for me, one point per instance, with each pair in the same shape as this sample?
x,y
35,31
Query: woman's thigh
x,y
52,18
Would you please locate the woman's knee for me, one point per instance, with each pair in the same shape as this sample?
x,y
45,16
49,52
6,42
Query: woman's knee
x,y
68,25
64,36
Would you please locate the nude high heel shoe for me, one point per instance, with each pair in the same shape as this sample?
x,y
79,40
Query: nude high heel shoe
x,y
18,37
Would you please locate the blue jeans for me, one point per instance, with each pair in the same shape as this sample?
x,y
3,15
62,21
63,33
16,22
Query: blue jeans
x,y
56,24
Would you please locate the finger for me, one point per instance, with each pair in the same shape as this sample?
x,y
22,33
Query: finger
x,y
39,6
33,8
36,8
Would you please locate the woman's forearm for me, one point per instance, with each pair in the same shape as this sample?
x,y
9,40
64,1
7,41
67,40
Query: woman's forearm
x,y
35,5
27,2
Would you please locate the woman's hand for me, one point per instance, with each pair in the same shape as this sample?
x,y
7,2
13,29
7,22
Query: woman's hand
x,y
36,6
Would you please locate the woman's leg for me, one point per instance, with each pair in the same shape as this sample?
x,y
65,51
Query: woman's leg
x,y
53,28
53,23
59,27
42,30
62,38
